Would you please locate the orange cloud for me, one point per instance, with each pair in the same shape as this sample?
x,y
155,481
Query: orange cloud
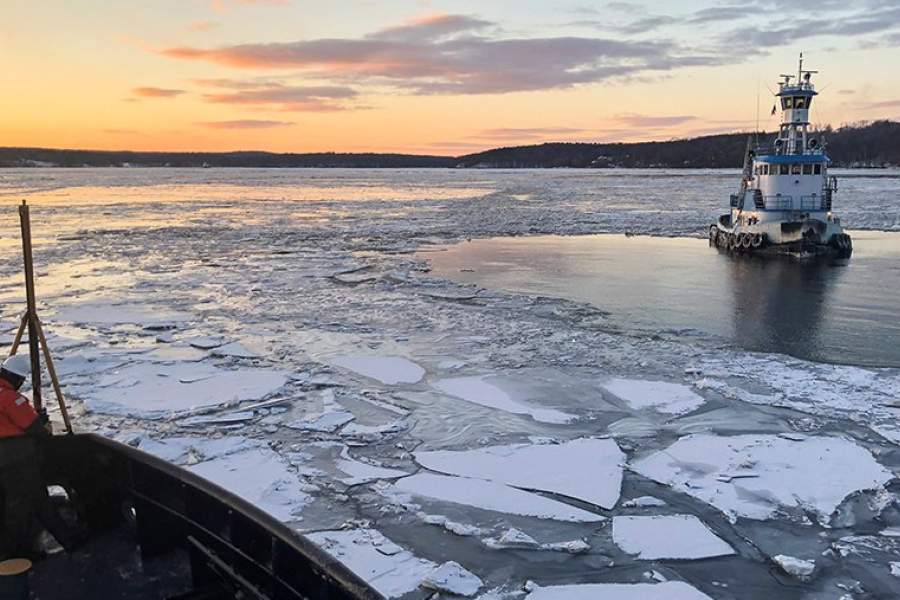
x,y
245,124
155,92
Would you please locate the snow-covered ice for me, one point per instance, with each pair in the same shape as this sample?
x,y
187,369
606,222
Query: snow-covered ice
x,y
488,495
391,570
259,476
476,390
452,578
667,536
586,469
668,590
661,396
799,568
758,476
328,422
390,370
151,390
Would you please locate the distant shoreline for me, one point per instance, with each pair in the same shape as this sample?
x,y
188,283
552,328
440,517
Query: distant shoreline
x,y
869,145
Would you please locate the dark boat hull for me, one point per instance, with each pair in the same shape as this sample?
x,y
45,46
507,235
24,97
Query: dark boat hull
x,y
211,543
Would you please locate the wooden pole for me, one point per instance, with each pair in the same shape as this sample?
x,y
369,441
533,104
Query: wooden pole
x,y
22,324
53,378
31,309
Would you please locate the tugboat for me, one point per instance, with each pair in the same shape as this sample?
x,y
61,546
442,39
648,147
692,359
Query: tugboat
x,y
784,202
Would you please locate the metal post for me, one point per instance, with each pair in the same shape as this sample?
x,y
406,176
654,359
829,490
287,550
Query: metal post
x,y
33,343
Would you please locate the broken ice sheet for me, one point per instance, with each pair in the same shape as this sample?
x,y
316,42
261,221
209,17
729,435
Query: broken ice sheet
x,y
358,472
97,313
476,390
327,422
815,474
154,391
259,476
234,350
488,495
452,578
661,396
391,570
668,590
668,536
389,370
183,449
587,469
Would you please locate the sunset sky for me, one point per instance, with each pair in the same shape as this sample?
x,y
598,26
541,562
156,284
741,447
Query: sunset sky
x,y
426,76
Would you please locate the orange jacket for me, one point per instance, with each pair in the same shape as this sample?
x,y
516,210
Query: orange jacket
x,y
16,413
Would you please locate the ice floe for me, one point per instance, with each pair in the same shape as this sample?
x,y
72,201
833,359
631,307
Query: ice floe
x,y
259,476
516,539
661,396
151,390
358,472
667,536
796,567
234,350
390,569
488,495
758,476
95,313
389,370
476,390
587,469
668,590
328,422
452,578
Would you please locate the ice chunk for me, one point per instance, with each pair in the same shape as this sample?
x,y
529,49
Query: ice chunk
x,y
895,569
96,313
814,474
512,538
230,418
643,502
491,496
452,578
801,569
206,342
260,477
325,423
359,472
460,529
668,590
391,573
389,370
155,391
661,396
670,536
234,350
587,469
476,390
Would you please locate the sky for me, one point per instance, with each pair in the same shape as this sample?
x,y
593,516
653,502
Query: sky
x,y
427,76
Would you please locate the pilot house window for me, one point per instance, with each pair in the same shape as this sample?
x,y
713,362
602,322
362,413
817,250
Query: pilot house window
x,y
817,169
807,169
795,169
785,170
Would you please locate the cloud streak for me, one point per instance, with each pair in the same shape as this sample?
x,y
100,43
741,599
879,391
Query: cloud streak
x,y
245,124
448,54
155,92
285,98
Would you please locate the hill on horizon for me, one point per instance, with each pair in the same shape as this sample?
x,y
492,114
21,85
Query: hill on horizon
x,y
875,144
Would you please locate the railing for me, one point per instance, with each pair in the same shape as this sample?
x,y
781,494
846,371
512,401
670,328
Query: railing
x,y
779,202
813,202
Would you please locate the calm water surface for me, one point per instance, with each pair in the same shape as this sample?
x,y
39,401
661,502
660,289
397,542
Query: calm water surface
x,y
846,312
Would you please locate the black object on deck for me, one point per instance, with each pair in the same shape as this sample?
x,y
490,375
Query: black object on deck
x,y
159,531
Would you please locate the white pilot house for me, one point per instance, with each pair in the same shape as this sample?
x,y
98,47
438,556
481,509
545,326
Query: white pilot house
x,y
784,204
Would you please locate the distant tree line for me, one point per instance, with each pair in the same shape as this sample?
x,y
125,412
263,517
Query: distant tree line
x,y
863,144
857,145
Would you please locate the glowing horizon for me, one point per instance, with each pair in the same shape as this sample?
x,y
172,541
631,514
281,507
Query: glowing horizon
x,y
429,77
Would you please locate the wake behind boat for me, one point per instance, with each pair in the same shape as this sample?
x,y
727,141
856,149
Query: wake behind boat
x,y
784,204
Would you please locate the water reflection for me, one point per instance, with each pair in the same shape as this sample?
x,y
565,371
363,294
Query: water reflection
x,y
841,312
779,305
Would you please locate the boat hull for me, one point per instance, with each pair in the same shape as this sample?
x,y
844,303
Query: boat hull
x,y
806,238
